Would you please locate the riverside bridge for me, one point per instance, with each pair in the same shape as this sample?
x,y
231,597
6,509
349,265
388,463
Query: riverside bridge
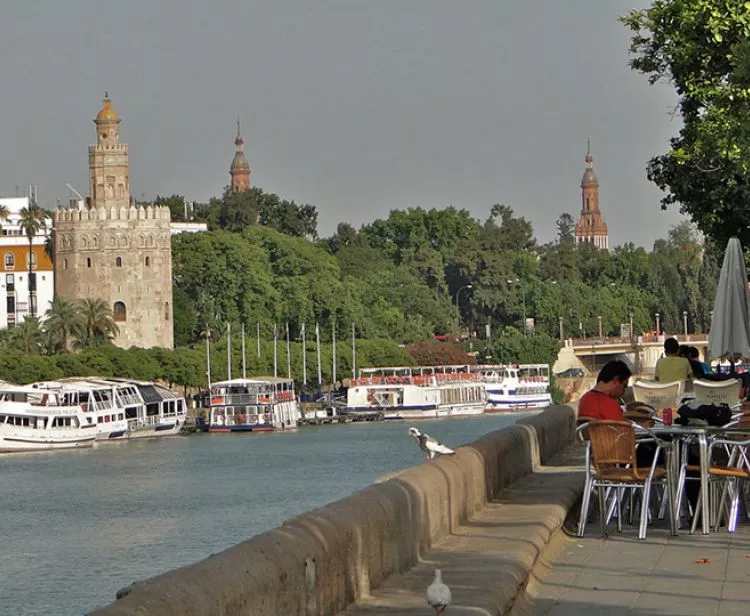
x,y
641,352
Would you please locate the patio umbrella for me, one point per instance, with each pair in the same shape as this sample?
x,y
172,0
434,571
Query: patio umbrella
x,y
730,327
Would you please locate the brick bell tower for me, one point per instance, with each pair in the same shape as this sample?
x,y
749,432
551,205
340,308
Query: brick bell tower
x,y
591,226
240,169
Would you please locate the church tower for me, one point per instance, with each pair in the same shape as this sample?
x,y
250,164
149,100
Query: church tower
x,y
115,251
240,169
591,226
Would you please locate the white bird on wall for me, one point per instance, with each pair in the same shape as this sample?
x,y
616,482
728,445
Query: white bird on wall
x,y
431,446
438,594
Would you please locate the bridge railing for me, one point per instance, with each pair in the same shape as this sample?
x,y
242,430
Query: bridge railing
x,y
701,338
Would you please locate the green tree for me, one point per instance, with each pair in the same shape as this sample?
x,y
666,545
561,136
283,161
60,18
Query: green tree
x,y
28,336
4,215
33,220
176,205
702,48
62,319
96,325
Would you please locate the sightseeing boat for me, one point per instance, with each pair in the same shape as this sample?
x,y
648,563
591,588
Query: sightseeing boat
x,y
259,404
424,392
123,408
521,387
33,420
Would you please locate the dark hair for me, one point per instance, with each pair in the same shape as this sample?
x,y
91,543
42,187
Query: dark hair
x,y
693,352
684,350
616,369
671,346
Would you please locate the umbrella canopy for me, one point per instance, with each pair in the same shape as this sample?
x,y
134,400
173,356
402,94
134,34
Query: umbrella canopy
x,y
730,326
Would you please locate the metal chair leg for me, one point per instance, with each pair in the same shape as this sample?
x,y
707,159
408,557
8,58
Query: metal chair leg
x,y
585,508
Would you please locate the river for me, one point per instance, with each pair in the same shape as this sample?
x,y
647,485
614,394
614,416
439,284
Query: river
x,y
79,525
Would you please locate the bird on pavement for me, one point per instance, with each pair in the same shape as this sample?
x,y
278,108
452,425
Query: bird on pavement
x,y
438,594
431,446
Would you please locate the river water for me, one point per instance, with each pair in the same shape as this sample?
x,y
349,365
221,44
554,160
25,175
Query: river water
x,y
79,525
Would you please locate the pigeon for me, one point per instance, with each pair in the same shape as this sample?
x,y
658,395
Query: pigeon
x,y
438,594
431,446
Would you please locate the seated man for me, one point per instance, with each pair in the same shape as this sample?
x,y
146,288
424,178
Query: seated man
x,y
672,367
603,401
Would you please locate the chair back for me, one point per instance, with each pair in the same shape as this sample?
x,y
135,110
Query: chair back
x,y
657,394
717,392
612,446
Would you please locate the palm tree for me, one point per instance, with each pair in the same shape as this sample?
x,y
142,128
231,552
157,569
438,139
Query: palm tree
x,y
96,325
33,220
27,336
4,215
62,319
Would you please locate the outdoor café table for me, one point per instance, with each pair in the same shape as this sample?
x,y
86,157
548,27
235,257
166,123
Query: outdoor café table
x,y
678,433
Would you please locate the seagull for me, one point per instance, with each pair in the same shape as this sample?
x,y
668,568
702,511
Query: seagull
x,y
431,446
438,594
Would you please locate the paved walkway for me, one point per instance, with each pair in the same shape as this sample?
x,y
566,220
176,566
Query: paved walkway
x,y
488,559
619,575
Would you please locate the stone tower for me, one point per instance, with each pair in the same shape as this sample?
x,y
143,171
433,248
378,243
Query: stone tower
x,y
240,169
114,251
591,226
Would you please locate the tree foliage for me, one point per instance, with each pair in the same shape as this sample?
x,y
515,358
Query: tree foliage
x,y
701,47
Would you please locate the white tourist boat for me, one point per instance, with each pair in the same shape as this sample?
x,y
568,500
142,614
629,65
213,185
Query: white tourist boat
x,y
123,408
521,387
33,420
259,404
425,392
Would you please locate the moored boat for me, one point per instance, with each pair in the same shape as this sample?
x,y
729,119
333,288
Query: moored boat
x,y
33,420
424,392
123,408
523,387
259,404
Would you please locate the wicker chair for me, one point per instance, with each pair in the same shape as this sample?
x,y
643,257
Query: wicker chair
x,y
613,464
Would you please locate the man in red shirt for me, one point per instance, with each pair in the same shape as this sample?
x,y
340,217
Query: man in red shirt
x,y
603,401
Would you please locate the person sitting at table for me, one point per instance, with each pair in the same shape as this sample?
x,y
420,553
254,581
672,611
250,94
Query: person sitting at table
x,y
603,401
672,367
700,370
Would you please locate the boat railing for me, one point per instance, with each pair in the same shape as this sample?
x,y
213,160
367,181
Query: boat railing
x,y
129,399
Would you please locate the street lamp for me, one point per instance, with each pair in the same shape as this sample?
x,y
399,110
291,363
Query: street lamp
x,y
684,321
632,334
599,318
658,329
523,301
562,334
455,299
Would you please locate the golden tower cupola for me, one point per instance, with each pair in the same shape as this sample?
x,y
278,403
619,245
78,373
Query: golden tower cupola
x,y
107,113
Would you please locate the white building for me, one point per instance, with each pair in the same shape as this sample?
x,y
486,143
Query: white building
x,y
23,288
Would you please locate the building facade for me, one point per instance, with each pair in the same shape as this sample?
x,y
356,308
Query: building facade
x,y
591,226
23,290
112,250
240,168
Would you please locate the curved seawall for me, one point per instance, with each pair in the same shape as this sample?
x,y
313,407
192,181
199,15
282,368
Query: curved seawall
x,y
324,560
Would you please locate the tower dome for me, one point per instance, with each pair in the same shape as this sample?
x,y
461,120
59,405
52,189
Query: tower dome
x,y
239,170
107,113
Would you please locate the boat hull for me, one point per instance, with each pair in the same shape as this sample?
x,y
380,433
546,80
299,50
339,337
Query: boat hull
x,y
12,443
422,412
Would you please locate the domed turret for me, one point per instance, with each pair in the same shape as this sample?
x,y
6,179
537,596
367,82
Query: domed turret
x,y
240,168
107,113
591,226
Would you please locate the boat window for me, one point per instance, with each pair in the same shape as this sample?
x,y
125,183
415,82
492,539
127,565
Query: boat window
x,y
120,416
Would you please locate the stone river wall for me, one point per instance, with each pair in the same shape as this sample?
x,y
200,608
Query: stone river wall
x,y
322,561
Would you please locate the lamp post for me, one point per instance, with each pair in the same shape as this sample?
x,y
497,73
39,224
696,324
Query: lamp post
x,y
562,335
523,301
599,319
456,298
632,336
684,321
658,329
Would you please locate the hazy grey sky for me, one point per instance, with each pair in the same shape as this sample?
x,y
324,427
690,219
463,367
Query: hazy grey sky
x,y
355,106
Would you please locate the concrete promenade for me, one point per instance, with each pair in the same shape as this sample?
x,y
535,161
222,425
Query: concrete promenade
x,y
682,576
489,558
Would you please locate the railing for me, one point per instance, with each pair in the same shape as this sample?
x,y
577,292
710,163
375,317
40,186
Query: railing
x,y
639,340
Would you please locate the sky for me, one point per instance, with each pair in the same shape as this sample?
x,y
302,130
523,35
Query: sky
x,y
358,107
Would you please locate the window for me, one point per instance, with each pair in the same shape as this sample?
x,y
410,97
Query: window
x,y
10,261
148,261
88,261
10,304
118,262
166,311
120,313
10,282
34,305
31,260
